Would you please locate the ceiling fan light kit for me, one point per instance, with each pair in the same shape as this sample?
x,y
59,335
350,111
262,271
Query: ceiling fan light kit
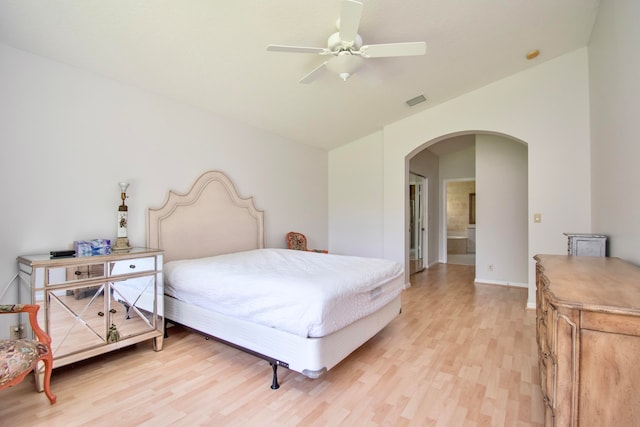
x,y
344,65
346,49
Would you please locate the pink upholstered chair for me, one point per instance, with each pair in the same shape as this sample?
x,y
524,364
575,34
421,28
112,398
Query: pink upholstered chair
x,y
18,357
298,241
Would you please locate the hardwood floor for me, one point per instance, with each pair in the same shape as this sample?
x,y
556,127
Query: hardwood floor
x,y
459,355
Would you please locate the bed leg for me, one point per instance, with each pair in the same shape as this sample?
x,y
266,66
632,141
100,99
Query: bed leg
x,y
274,383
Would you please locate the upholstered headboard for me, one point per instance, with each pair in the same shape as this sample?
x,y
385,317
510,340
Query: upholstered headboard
x,y
210,219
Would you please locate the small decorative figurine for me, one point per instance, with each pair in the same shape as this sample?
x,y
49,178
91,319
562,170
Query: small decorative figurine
x,y
113,335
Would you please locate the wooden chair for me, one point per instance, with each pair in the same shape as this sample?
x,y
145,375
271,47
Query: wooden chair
x,y
298,241
18,357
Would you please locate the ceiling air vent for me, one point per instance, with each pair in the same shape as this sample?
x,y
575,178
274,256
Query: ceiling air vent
x,y
417,100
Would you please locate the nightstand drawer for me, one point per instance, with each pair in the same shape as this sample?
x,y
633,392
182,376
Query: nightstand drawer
x,y
129,266
74,273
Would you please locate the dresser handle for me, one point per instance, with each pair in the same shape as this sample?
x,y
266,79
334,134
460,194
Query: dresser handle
x,y
132,266
77,272
113,310
100,314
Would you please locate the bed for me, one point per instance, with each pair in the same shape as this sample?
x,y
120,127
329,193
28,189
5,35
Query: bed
x,y
205,231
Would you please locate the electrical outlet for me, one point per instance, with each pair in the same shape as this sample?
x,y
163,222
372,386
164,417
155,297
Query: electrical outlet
x,y
17,332
490,267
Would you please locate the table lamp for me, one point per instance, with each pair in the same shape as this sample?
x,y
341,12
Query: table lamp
x,y
122,242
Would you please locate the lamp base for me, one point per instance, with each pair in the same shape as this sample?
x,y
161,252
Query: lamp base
x,y
122,244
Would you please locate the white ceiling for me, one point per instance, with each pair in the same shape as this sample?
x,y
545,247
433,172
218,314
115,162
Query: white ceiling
x,y
212,54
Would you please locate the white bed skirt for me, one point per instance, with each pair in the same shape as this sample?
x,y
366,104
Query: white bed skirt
x,y
311,357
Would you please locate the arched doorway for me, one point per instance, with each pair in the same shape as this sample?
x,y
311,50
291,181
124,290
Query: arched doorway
x,y
500,170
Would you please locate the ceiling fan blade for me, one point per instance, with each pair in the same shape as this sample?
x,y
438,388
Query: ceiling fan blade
x,y
296,49
393,49
350,20
314,74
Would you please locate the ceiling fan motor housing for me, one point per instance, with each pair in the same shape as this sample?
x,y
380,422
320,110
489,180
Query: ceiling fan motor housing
x,y
335,43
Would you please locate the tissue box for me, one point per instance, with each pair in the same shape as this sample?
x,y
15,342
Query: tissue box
x,y
92,247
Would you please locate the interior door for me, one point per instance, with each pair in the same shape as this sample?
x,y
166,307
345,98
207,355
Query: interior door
x,y
416,223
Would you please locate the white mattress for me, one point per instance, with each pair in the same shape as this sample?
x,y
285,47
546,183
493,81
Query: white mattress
x,y
304,293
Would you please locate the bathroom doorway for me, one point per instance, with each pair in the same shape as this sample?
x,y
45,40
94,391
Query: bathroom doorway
x,y
460,220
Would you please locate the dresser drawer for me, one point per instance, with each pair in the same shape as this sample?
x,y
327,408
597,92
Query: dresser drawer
x,y
59,275
614,323
129,266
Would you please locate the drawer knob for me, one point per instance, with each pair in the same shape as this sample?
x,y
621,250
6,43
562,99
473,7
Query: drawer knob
x,y
113,310
132,266
77,272
100,314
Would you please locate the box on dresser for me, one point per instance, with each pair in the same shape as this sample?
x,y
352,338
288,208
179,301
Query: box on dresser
x,y
586,244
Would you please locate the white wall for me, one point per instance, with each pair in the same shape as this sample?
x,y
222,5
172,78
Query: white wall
x,y
614,73
460,164
355,193
501,211
68,137
547,107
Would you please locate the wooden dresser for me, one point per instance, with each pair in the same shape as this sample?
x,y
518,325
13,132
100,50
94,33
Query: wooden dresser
x,y
588,334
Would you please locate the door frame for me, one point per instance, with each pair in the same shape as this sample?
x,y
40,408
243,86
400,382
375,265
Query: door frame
x,y
422,195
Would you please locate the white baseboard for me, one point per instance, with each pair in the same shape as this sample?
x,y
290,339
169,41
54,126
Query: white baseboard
x,y
500,283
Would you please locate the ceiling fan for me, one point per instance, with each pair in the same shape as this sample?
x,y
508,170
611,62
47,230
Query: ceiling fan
x,y
345,49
